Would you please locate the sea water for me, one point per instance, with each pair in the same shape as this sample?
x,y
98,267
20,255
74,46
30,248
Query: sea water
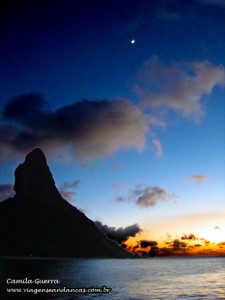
x,y
128,279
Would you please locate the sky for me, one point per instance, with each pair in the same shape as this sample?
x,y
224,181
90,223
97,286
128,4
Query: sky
x,y
126,99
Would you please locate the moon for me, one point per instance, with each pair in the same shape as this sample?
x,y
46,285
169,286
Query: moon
x,y
132,41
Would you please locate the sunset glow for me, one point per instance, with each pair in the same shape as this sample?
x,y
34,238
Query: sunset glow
x,y
215,234
126,99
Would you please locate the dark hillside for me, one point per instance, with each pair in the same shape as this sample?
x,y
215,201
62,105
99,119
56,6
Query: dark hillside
x,y
37,221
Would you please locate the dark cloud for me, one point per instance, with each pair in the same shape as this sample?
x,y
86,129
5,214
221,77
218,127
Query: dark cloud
x,y
178,245
147,243
25,108
197,245
166,251
89,129
190,236
121,234
154,251
6,191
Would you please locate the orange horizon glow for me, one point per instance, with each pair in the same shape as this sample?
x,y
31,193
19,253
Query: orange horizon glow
x,y
183,235
186,245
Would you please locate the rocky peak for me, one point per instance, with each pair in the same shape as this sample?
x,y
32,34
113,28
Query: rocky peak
x,y
33,179
36,156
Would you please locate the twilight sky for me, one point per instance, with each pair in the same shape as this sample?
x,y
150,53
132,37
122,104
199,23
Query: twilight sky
x,y
126,98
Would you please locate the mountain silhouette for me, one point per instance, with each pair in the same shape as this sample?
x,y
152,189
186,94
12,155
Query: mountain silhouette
x,y
38,222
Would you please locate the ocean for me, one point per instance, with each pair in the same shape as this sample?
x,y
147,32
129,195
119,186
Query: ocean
x,y
116,279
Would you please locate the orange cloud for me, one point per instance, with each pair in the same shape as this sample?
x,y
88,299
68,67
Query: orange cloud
x,y
217,227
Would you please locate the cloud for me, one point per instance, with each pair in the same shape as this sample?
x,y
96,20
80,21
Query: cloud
x,y
150,196
89,129
121,234
197,245
157,144
121,199
190,236
63,189
147,243
216,227
67,195
67,185
178,245
179,87
145,196
156,121
117,186
198,178
6,191
206,242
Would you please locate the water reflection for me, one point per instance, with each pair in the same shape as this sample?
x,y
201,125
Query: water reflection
x,y
131,279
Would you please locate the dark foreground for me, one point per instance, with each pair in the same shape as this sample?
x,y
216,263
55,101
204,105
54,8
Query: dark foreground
x,y
129,279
